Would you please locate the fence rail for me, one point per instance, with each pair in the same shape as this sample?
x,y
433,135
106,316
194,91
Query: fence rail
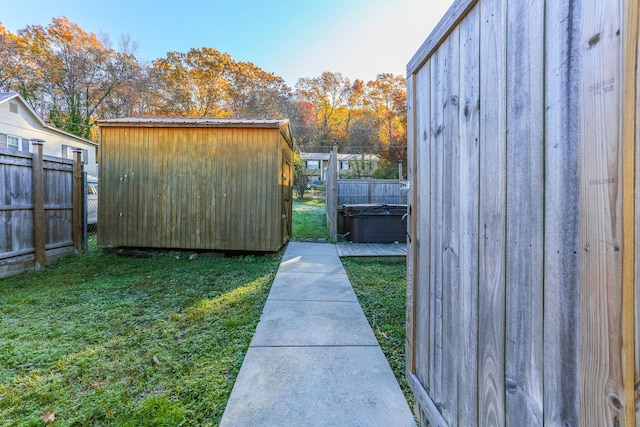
x,y
41,209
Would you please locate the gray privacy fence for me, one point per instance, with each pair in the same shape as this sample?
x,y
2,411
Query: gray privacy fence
x,y
342,192
370,191
41,209
523,294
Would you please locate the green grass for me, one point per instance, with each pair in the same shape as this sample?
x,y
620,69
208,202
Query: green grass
x,y
104,340
309,220
381,291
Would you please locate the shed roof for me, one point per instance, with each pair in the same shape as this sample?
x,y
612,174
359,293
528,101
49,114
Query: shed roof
x,y
193,122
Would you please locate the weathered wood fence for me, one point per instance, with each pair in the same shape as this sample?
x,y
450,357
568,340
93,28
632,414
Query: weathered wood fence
x,y
367,191
331,205
41,209
342,192
522,299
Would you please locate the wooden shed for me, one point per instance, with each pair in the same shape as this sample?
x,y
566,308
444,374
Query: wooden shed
x,y
202,184
522,300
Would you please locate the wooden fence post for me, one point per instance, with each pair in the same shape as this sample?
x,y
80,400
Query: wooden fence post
x,y
39,223
78,202
400,181
332,194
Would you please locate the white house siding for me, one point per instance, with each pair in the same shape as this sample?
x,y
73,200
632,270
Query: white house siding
x,y
25,126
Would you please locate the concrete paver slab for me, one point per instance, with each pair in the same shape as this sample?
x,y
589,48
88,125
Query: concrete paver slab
x,y
316,386
313,323
310,287
309,248
314,360
311,264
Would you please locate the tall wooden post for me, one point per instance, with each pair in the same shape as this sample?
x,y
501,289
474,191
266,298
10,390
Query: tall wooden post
x,y
332,194
39,223
400,181
78,202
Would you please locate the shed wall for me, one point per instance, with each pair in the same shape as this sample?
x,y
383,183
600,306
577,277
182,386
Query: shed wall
x,y
194,188
515,310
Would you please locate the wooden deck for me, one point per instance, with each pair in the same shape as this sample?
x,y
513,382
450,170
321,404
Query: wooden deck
x,y
372,249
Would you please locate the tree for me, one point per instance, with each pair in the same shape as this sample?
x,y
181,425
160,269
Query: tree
x,y
326,94
300,179
192,84
254,92
387,102
68,73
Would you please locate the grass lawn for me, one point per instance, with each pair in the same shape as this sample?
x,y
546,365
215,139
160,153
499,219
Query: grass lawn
x,y
309,220
105,340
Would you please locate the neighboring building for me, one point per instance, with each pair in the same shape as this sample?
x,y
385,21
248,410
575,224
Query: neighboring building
x,y
19,123
349,165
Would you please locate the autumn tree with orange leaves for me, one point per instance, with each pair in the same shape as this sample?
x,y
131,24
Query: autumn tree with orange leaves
x,y
72,78
64,72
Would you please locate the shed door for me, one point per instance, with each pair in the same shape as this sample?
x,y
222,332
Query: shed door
x,y
287,172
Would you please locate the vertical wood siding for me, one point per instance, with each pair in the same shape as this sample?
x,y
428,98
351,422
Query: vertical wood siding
x,y
193,188
366,191
515,310
36,227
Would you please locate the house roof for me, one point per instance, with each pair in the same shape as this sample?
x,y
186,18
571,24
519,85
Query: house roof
x,y
6,96
344,157
192,122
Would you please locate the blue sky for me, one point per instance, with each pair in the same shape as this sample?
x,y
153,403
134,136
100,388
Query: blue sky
x,y
291,38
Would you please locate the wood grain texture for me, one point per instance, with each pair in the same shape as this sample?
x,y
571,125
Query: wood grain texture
x,y
491,339
78,203
524,249
367,191
436,158
422,235
426,404
332,194
637,236
629,190
193,188
39,221
602,399
456,13
412,267
451,315
562,216
469,116
47,192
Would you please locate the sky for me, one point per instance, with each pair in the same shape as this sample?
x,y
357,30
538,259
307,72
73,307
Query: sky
x,y
290,38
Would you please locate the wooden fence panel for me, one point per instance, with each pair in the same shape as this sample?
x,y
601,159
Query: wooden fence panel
x,y
601,351
451,314
491,298
525,230
522,267
16,207
561,216
636,254
37,210
435,250
469,114
370,191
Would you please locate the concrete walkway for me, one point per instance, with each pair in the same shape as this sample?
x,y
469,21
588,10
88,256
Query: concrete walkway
x,y
314,360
